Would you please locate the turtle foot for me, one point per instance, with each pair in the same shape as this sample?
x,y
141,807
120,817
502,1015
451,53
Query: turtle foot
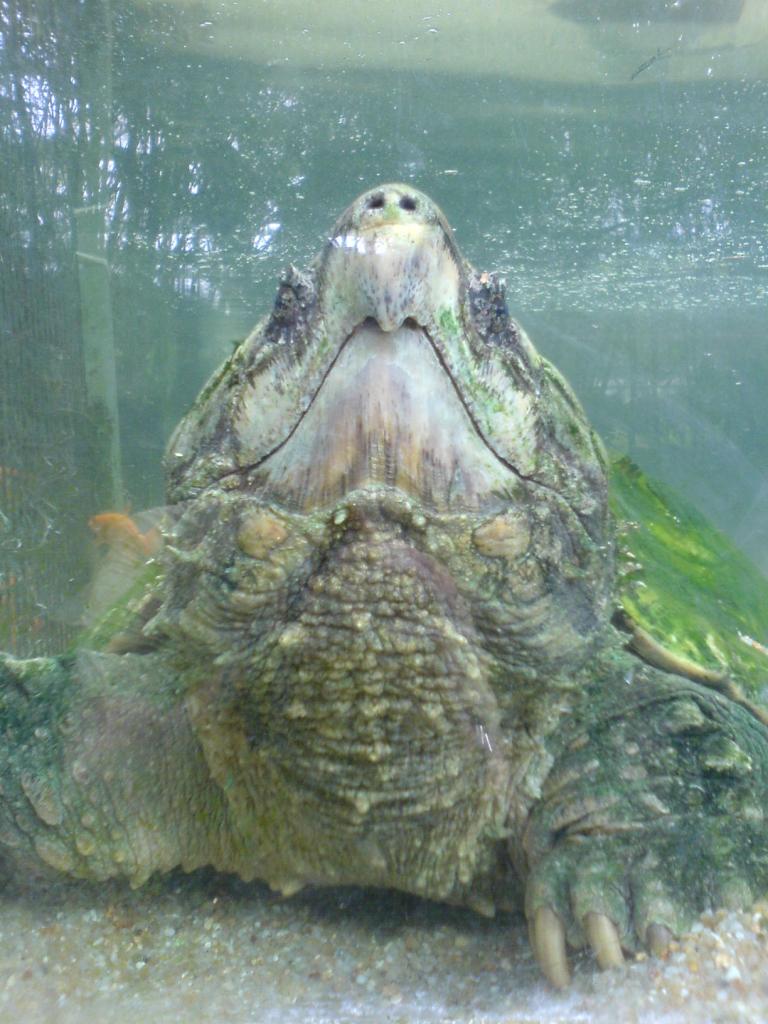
x,y
651,816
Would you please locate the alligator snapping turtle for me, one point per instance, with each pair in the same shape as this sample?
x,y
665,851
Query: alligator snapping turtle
x,y
377,645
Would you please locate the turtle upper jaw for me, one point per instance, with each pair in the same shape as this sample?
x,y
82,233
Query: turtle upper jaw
x,y
389,272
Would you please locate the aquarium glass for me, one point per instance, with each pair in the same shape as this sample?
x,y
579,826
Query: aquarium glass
x,y
162,162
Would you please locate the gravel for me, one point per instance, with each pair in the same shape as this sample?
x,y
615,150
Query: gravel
x,y
209,948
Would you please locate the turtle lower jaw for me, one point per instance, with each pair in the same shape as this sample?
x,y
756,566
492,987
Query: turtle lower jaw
x,y
387,414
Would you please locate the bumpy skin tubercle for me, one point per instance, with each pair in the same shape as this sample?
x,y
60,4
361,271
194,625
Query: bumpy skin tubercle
x,y
378,648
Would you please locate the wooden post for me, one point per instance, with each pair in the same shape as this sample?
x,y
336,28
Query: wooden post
x,y
99,348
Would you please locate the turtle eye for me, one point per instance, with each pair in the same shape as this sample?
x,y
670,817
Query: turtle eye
x,y
407,203
376,202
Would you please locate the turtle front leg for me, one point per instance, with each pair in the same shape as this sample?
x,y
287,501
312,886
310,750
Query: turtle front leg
x,y
100,772
652,813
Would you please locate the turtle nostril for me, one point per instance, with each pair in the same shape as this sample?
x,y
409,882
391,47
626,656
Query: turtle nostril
x,y
407,203
376,202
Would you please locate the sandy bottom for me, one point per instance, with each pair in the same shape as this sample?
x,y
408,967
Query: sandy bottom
x,y
207,948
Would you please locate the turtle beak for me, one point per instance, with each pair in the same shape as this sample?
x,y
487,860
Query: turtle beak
x,y
392,272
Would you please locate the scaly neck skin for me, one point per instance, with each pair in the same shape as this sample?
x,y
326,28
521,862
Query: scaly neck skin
x,y
360,726
376,693
364,729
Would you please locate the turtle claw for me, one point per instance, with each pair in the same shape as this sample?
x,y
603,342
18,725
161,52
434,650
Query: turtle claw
x,y
603,937
658,938
548,941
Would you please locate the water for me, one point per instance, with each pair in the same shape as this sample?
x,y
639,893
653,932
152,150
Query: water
x,y
610,157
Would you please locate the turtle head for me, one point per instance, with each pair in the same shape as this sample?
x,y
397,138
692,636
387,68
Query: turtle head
x,y
391,366
390,389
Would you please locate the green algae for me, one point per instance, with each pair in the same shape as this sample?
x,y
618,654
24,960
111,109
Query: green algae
x,y
686,583
448,322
